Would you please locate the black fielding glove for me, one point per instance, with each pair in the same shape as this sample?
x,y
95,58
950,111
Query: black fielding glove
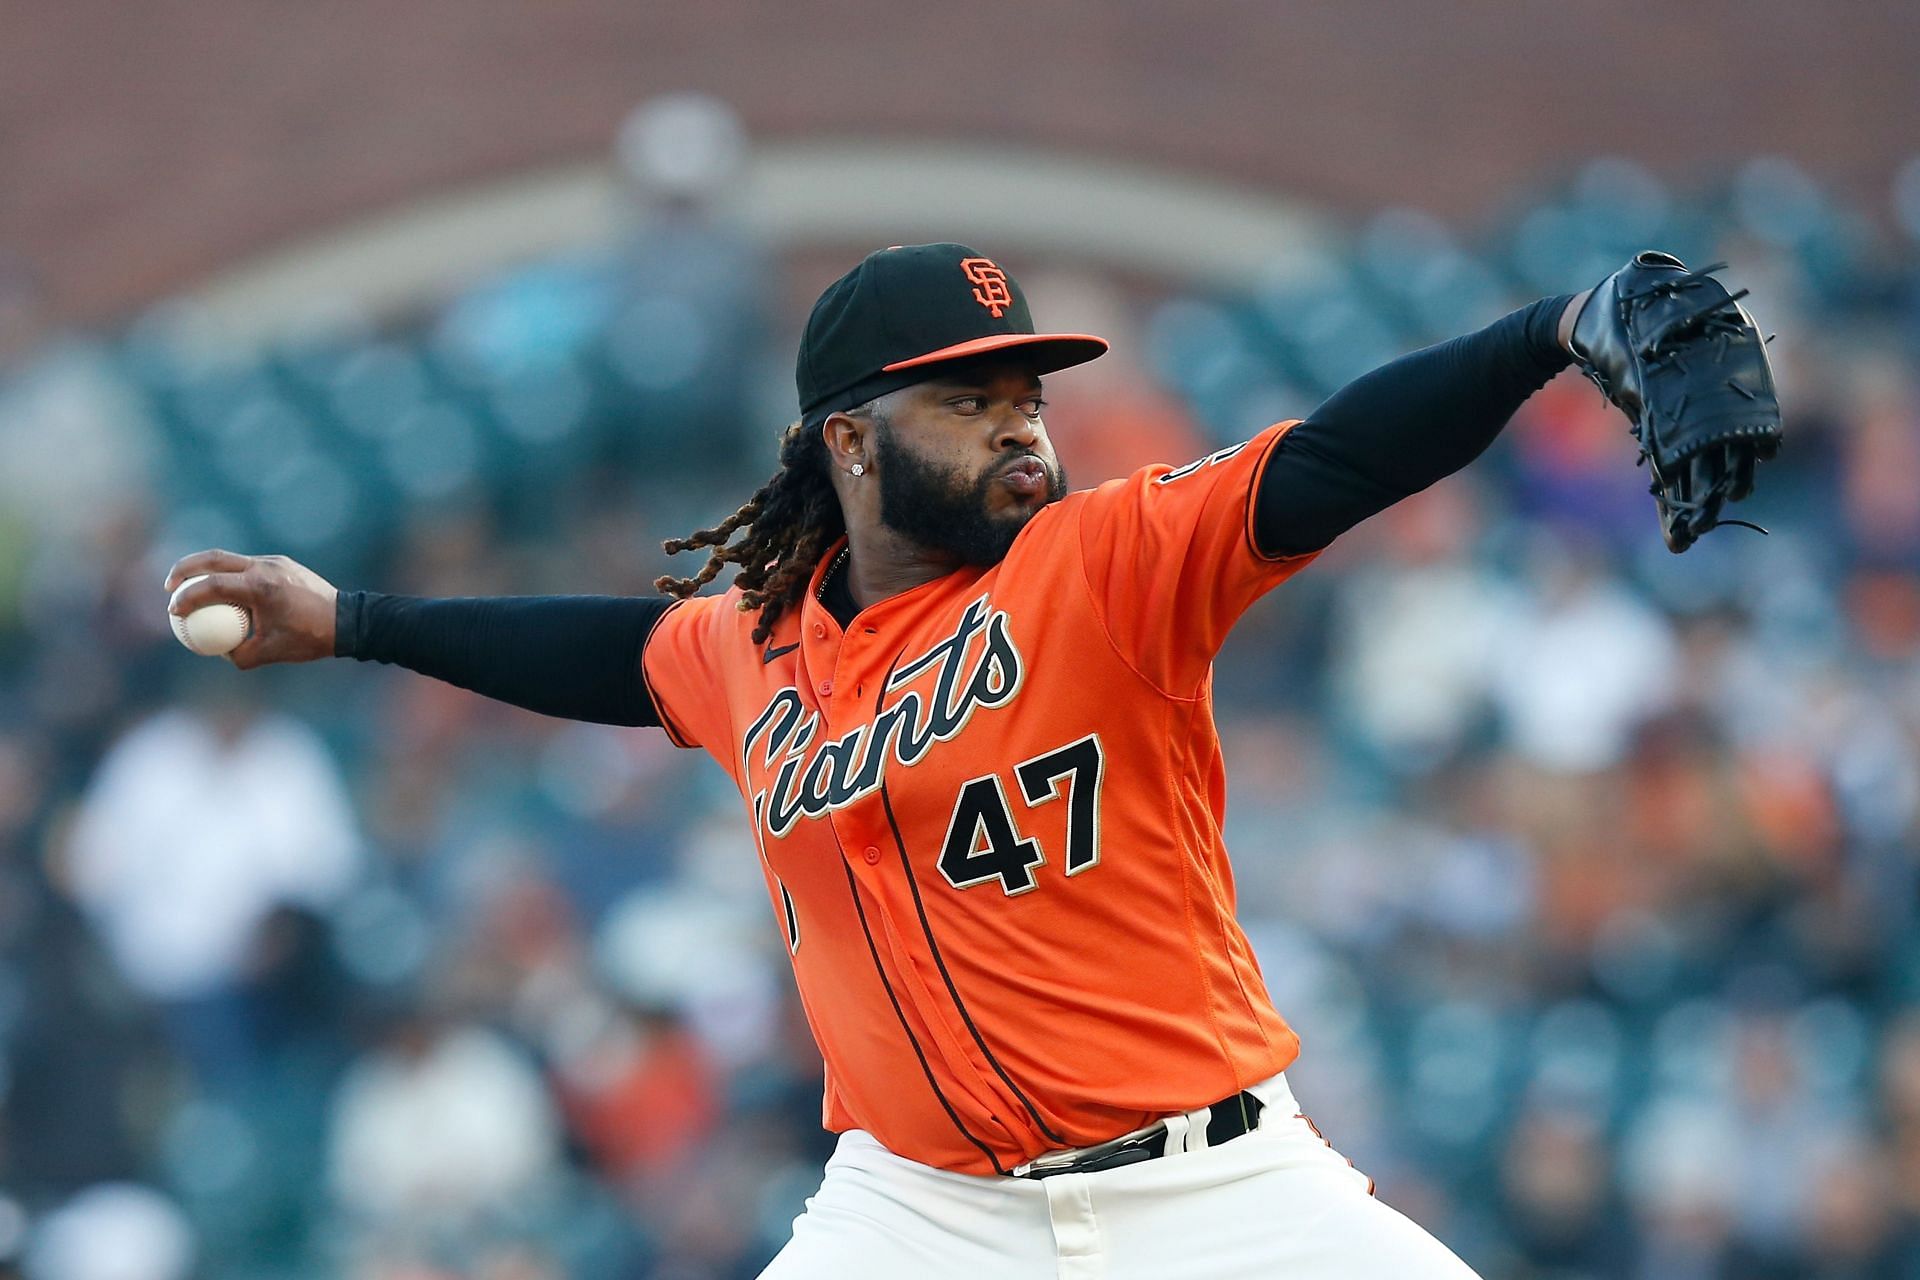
x,y
1685,362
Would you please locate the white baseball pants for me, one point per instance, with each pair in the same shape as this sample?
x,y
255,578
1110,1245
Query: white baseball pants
x,y
1275,1202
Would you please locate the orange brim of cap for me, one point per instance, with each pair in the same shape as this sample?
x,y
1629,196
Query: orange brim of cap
x,y
1069,349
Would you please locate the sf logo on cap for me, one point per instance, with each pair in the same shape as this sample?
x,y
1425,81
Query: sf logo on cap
x,y
989,284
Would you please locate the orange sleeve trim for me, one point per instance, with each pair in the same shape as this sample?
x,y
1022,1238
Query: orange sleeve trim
x,y
1253,500
674,734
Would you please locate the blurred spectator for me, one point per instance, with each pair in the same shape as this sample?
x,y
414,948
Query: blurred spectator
x,y
1571,459
1850,1228
442,1127
690,320
1558,1202
1899,1112
76,443
681,153
640,1094
1421,633
196,826
114,1231
1583,666
1786,1135
1681,1160
84,1056
1882,483
78,1042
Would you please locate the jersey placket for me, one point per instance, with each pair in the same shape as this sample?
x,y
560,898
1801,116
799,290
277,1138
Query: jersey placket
x,y
862,663
845,670
849,694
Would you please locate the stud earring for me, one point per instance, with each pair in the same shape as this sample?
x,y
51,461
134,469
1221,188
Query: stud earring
x,y
859,468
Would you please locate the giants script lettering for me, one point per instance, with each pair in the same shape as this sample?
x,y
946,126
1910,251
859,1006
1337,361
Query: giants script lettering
x,y
845,769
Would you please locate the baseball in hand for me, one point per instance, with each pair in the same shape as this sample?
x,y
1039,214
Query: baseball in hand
x,y
212,629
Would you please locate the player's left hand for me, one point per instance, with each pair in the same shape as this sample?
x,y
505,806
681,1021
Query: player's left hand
x,y
1685,362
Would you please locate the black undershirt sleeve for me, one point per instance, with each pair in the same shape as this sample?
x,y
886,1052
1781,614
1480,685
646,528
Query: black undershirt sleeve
x,y
1392,432
577,657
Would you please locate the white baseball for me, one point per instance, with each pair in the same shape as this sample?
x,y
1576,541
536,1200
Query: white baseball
x,y
212,629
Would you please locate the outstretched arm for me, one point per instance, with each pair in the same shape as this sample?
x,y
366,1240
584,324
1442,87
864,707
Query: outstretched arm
x,y
1392,432
577,657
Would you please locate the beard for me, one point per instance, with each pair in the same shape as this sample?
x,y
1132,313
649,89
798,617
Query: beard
x,y
946,510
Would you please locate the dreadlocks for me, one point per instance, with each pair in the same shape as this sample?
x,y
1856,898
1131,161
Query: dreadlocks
x,y
790,521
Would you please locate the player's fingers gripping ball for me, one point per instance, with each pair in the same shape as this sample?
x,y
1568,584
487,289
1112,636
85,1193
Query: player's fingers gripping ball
x,y
212,629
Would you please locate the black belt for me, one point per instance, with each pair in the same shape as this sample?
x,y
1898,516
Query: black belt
x,y
1228,1119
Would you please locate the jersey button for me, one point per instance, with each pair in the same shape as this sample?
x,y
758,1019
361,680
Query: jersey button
x,y
819,631
826,688
871,854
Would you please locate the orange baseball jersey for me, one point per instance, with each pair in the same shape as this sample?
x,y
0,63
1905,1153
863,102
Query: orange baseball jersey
x,y
989,816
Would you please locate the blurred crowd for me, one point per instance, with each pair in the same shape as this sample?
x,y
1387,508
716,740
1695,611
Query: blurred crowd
x,y
1587,873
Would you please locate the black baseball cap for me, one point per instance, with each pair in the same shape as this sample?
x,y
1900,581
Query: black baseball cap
x,y
890,321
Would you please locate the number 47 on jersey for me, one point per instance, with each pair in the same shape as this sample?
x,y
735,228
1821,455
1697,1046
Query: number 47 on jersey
x,y
983,843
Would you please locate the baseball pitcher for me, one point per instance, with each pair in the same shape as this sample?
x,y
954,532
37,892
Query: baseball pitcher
x,y
968,712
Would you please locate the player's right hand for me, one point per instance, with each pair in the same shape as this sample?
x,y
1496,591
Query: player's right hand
x,y
291,605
